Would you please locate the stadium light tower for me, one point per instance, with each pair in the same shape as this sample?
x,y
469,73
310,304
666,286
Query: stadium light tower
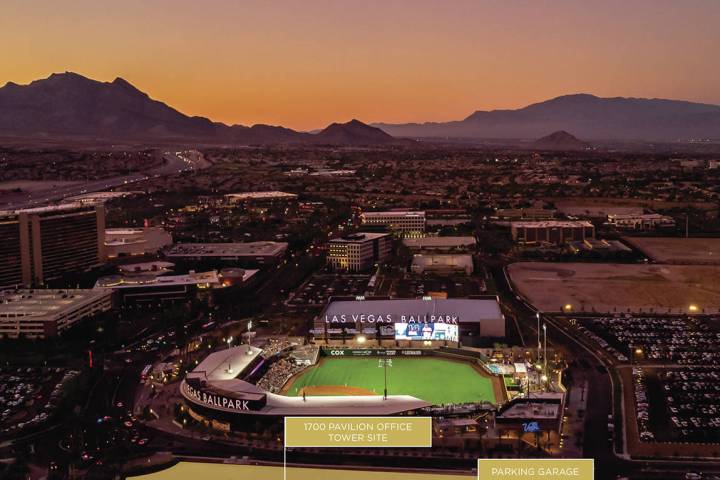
x,y
538,333
384,363
545,349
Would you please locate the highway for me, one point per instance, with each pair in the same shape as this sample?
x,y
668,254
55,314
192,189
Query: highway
x,y
174,162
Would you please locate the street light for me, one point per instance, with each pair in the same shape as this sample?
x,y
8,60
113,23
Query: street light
x,y
693,308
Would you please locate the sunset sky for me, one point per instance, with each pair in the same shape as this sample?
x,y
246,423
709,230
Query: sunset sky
x,y
306,63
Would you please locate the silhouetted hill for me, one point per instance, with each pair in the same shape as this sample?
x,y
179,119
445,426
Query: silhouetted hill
x,y
560,140
68,104
353,132
587,116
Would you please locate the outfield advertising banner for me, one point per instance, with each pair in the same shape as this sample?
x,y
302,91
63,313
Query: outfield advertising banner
x,y
373,352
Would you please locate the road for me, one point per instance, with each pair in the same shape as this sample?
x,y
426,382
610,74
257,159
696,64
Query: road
x,y
175,162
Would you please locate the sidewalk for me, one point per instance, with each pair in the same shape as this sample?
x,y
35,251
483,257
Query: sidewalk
x,y
573,427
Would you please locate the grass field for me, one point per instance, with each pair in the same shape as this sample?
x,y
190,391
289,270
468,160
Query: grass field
x,y
434,380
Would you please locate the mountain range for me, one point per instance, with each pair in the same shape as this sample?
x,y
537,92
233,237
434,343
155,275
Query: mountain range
x,y
71,105
586,116
68,104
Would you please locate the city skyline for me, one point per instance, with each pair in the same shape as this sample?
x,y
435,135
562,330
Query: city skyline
x,y
255,63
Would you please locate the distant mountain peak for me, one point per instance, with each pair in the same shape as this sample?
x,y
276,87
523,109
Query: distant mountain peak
x,y
353,132
560,140
560,135
67,76
575,96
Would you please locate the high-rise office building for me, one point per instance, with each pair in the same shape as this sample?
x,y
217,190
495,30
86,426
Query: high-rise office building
x,y
10,252
42,244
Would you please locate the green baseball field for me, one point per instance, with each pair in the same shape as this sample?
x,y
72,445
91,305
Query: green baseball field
x,y
434,380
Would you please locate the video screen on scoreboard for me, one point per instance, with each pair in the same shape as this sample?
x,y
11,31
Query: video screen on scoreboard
x,y
426,331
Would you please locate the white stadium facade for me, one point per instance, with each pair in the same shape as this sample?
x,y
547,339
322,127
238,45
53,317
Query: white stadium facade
x,y
221,387
412,322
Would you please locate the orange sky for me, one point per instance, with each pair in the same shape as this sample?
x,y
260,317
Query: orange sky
x,y
304,64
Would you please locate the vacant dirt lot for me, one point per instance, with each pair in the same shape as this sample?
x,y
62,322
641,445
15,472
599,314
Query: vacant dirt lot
x,y
618,287
687,251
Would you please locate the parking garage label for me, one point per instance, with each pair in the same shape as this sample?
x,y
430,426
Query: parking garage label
x,y
535,469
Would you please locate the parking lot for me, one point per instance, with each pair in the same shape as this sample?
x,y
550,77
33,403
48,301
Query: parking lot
x,y
29,396
316,292
682,340
679,405
673,384
453,287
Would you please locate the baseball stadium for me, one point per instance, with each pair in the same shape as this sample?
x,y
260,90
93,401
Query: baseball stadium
x,y
292,377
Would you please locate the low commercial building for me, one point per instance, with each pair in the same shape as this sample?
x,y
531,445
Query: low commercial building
x,y
359,251
524,214
92,198
43,313
269,196
554,232
228,254
600,247
404,223
538,413
645,221
125,242
156,290
442,264
151,289
447,217
156,268
440,244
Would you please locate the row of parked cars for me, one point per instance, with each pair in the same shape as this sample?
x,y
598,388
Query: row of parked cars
x,y
693,403
322,287
620,357
30,395
642,407
679,340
